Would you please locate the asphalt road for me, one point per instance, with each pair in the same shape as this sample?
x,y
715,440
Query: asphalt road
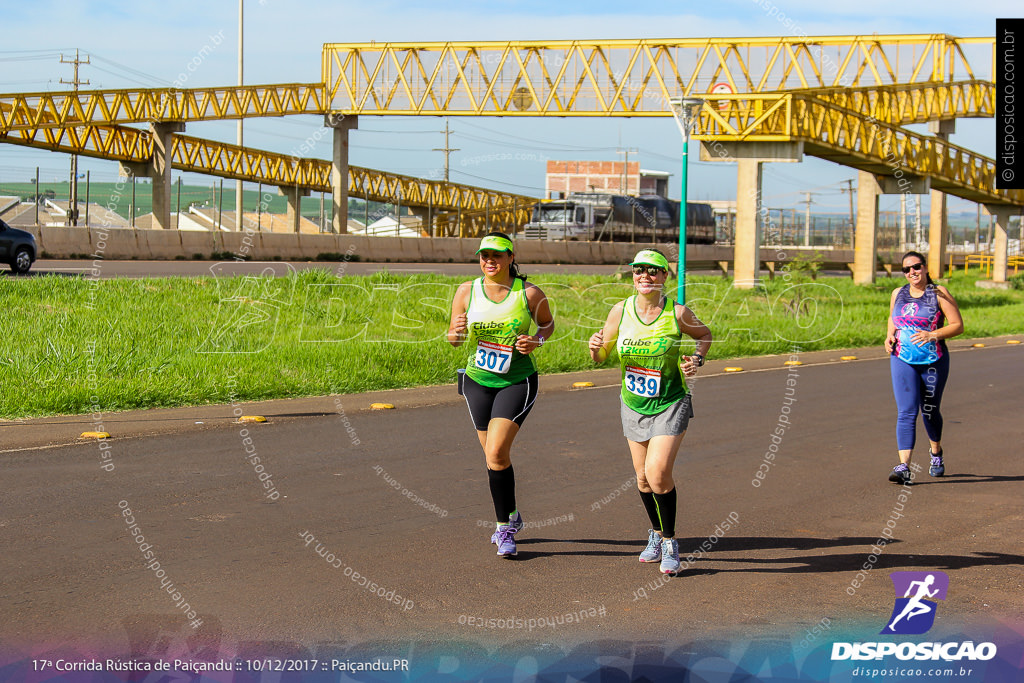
x,y
400,497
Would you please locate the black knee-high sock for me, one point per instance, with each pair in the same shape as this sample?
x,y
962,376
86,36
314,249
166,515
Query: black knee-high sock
x,y
666,504
503,492
652,508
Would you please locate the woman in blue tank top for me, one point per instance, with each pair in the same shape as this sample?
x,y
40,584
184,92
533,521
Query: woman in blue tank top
x,y
916,340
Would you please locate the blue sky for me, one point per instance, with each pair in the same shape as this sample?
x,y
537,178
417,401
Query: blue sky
x,y
147,44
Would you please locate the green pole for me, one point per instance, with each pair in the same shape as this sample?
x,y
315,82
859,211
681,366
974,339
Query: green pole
x,y
681,268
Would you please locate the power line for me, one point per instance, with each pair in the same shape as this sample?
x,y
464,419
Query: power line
x,y
398,132
500,182
128,69
114,73
544,145
28,55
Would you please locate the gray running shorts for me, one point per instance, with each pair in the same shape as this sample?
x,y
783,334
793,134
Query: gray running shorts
x,y
669,422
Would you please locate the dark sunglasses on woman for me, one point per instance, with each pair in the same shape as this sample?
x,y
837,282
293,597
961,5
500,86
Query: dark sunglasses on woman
x,y
649,270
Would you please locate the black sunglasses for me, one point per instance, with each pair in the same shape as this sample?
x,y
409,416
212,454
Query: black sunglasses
x,y
913,266
649,270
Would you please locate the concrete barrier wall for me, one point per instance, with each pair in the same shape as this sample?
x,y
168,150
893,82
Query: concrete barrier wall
x,y
163,244
127,243
204,243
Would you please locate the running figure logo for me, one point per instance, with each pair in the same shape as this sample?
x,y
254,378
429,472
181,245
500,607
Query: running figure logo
x,y
914,612
909,309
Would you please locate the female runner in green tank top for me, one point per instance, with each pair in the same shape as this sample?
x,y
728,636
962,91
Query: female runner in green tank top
x,y
492,315
647,329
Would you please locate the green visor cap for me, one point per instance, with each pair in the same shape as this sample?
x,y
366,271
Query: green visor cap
x,y
650,258
495,243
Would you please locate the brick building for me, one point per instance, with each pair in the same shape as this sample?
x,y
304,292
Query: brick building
x,y
615,177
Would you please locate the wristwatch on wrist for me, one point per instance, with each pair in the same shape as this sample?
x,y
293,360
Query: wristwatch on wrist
x,y
700,360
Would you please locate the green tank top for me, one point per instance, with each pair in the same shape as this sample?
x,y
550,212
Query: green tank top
x,y
649,356
493,328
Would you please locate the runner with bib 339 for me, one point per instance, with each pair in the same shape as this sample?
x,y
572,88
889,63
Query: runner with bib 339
x,y
646,330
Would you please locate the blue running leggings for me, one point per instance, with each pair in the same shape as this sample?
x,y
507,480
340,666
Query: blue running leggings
x,y
918,388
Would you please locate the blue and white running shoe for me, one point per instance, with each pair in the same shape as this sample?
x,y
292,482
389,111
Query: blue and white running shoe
x,y
669,556
937,468
900,474
652,553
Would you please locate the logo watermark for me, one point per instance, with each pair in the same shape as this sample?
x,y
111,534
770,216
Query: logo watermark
x,y
596,505
251,456
550,521
154,565
411,495
884,538
731,520
577,617
782,423
914,612
357,578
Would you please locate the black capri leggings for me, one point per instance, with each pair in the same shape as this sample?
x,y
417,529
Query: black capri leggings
x,y
512,402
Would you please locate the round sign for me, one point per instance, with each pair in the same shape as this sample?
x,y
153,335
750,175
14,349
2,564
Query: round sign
x,y
722,89
522,98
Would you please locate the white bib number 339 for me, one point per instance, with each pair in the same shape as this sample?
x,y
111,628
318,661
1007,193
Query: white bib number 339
x,y
493,357
642,381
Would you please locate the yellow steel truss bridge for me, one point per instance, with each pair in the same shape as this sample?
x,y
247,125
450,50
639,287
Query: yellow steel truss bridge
x,y
845,98
452,204
625,77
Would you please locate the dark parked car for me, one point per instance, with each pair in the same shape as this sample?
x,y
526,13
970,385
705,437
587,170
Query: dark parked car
x,y
17,248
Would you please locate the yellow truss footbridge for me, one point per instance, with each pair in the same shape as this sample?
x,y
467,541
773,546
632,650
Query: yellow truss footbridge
x,y
845,98
626,77
224,160
862,128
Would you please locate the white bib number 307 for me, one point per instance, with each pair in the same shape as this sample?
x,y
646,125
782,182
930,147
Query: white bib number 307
x,y
642,381
493,357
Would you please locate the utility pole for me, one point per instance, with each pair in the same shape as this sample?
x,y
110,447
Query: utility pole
x,y
918,238
446,149
977,228
807,217
73,193
238,183
903,219
624,184
849,190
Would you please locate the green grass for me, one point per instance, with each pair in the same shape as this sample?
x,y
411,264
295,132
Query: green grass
x,y
74,346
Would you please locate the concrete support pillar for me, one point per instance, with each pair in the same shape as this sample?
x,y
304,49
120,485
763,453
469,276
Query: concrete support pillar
x,y
159,170
294,196
423,213
938,232
864,258
1002,214
746,261
748,157
339,169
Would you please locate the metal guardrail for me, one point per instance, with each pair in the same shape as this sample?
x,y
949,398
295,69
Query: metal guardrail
x,y
985,263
